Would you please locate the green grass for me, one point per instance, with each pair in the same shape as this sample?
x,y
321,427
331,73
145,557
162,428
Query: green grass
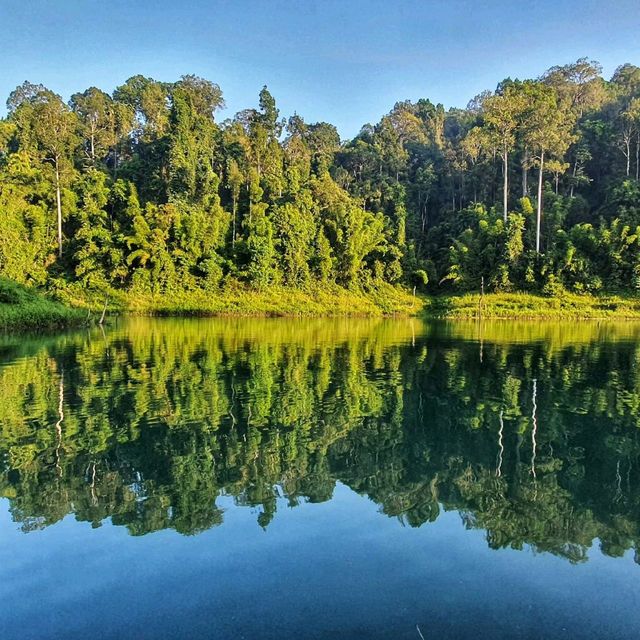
x,y
317,300
530,306
26,310
23,309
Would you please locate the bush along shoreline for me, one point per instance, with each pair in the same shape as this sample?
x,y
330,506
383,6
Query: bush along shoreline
x,y
334,301
24,309
526,306
328,300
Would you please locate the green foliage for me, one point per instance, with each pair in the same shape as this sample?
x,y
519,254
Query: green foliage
x,y
145,191
558,303
260,247
24,309
296,231
236,298
27,242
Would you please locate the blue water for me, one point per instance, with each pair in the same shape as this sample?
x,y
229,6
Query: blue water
x,y
350,561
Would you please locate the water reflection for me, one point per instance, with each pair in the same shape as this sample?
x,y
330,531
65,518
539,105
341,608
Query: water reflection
x,y
529,431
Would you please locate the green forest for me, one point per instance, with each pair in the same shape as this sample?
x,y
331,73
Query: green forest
x,y
534,187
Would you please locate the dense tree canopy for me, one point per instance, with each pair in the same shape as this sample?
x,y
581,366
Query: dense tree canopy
x,y
533,186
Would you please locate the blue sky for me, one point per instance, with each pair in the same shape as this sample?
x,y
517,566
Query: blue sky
x,y
345,62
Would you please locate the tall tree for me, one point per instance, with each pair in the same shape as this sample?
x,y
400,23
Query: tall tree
x,y
96,113
51,126
547,132
502,114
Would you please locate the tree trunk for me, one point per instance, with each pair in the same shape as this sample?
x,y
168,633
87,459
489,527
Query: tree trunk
x,y
59,206
505,184
628,154
424,215
104,311
233,235
539,213
573,182
638,156
525,174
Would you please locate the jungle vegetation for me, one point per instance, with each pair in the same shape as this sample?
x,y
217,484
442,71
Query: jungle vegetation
x,y
534,186
23,309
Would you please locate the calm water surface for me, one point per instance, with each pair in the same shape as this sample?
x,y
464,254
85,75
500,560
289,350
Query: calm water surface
x,y
321,479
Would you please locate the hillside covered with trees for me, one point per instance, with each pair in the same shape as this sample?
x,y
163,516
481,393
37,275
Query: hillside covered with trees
x,y
534,186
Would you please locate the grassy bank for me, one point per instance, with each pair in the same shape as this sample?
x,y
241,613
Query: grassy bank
x,y
23,309
529,306
327,300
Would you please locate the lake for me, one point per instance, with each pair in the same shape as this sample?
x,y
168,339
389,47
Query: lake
x,y
271,478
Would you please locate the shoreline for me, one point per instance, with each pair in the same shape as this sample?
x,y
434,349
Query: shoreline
x,y
527,306
387,302
24,310
327,301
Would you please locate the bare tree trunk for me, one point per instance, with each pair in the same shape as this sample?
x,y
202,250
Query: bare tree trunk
x,y
59,206
525,174
539,213
505,184
104,311
573,182
233,234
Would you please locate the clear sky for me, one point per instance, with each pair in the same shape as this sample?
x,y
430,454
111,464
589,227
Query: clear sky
x,y
346,62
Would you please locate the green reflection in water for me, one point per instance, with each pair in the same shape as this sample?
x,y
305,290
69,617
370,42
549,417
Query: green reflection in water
x,y
529,430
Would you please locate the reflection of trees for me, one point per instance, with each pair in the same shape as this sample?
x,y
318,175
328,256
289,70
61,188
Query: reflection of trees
x,y
537,443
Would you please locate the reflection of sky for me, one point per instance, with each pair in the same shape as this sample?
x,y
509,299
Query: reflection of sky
x,y
342,62
335,569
